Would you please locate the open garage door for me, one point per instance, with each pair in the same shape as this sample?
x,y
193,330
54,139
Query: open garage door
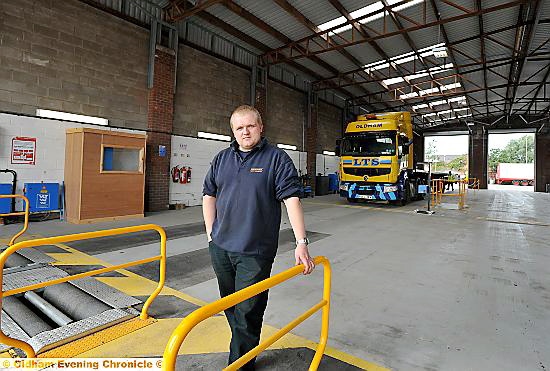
x,y
510,162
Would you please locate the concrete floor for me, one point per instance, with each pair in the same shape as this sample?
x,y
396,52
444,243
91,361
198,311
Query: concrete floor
x,y
456,290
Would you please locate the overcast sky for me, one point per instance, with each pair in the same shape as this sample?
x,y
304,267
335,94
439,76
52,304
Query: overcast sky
x,y
458,144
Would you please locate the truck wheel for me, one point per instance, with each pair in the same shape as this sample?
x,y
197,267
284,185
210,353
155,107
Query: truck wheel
x,y
406,193
352,200
515,182
524,182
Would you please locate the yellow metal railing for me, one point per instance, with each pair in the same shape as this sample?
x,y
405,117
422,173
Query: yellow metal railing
x,y
473,183
76,237
189,322
26,213
438,191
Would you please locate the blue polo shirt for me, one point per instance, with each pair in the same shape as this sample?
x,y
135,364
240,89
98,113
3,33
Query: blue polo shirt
x,y
249,190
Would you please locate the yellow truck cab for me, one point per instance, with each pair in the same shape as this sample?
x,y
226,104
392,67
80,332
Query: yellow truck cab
x,y
376,159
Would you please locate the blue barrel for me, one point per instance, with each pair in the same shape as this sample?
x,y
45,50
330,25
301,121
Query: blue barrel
x,y
333,183
42,196
5,203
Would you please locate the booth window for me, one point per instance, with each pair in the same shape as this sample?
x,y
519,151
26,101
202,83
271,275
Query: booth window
x,y
122,160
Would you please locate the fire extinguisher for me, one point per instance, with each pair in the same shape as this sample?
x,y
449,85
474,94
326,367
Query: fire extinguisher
x,y
183,175
189,174
175,174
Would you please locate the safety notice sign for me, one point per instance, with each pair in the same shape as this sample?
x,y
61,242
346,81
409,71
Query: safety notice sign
x,y
23,150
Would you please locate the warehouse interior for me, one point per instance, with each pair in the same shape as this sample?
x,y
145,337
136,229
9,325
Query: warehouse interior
x,y
111,112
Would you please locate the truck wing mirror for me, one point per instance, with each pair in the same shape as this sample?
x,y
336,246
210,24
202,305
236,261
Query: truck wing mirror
x,y
337,149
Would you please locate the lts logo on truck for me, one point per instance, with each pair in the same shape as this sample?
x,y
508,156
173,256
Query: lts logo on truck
x,y
365,162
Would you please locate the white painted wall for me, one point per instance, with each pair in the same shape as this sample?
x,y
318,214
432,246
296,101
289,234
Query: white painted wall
x,y
326,164
50,148
299,159
197,153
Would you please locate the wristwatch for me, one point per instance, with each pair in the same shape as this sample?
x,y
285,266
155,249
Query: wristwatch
x,y
302,241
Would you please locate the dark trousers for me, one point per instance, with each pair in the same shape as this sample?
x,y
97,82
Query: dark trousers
x,y
234,272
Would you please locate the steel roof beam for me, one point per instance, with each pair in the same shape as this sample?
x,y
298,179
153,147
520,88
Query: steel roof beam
x,y
361,71
260,46
524,38
451,54
453,93
483,55
291,51
538,89
495,63
306,22
262,25
179,10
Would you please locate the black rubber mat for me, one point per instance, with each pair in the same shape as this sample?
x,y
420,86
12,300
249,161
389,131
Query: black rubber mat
x,y
113,243
167,306
191,268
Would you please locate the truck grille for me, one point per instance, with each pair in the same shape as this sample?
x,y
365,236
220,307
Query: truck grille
x,y
369,171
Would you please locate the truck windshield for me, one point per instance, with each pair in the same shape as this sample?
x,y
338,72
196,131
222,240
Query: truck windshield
x,y
371,144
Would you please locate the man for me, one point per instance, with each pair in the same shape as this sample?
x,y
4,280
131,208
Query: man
x,y
243,191
450,182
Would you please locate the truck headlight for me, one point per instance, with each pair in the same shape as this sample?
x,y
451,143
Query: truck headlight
x,y
388,189
343,187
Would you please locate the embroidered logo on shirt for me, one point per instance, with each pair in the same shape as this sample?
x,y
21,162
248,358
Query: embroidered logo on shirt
x,y
256,169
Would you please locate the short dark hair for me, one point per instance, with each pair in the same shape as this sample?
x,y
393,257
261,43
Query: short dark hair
x,y
245,108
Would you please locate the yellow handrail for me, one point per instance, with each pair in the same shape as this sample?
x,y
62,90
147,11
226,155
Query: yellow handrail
x,y
76,237
189,322
26,213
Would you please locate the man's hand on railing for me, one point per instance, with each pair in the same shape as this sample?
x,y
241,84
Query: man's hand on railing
x,y
302,256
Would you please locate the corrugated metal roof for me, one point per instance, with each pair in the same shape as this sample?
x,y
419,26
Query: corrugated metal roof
x,y
395,45
243,25
338,60
541,36
276,17
470,48
499,19
533,71
364,52
316,11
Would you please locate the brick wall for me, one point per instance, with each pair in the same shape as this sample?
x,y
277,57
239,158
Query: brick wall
x,y
68,56
477,156
286,114
159,125
208,90
329,126
312,144
542,159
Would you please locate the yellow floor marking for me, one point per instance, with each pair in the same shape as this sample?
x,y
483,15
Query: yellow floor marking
x,y
69,258
76,347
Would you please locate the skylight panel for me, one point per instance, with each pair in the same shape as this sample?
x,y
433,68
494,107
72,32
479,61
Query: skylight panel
x,y
437,103
361,12
408,95
394,80
462,98
419,106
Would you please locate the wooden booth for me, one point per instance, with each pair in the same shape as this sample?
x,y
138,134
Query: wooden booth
x,y
104,175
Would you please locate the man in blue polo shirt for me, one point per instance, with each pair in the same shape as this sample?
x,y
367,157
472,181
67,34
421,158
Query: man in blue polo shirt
x,y
243,191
